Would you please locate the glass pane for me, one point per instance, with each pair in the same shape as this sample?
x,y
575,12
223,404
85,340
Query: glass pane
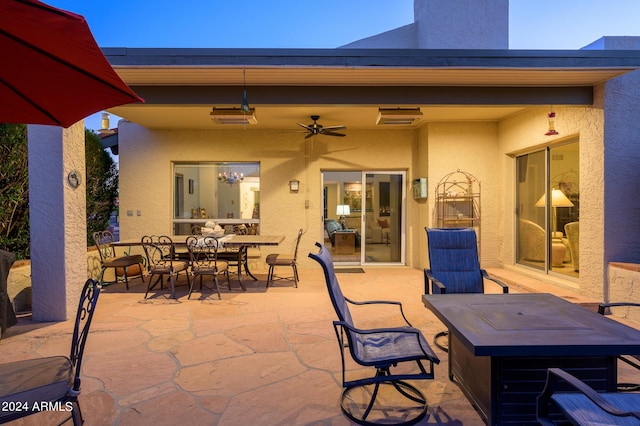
x,y
383,218
227,193
530,213
343,206
564,182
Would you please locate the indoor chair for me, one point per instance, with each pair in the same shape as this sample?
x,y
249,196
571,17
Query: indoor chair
x,y
52,381
203,252
109,259
161,260
382,349
275,259
454,266
581,405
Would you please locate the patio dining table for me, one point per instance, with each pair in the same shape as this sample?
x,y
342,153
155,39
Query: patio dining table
x,y
242,242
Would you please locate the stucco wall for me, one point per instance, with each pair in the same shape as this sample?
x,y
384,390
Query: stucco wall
x,y
525,132
473,148
146,180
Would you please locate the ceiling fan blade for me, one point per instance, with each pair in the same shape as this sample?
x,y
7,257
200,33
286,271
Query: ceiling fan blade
x,y
305,126
310,135
335,127
329,133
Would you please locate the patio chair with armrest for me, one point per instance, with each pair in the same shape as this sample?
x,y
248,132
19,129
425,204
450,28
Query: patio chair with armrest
x,y
631,359
161,261
277,259
204,261
581,405
109,259
52,381
382,349
454,266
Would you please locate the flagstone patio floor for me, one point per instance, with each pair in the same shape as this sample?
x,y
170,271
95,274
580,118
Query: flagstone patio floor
x,y
260,357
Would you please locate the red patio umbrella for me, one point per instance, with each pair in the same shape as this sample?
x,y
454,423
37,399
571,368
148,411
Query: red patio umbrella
x,y
53,71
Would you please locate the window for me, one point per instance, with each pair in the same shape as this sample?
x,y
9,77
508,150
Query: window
x,y
548,207
228,193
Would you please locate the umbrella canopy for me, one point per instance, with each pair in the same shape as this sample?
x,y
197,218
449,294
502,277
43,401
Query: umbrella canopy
x,y
53,71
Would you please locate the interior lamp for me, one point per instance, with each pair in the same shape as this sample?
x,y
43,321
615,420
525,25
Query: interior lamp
x,y
558,199
343,210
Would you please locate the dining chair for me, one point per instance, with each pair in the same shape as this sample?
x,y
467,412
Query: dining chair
x,y
29,386
122,265
203,252
161,261
276,259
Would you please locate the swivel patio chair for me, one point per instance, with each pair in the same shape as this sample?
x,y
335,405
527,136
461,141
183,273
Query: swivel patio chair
x,y
581,405
35,385
161,261
382,349
454,266
203,252
122,265
275,259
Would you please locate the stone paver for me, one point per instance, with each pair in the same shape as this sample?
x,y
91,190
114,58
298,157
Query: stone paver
x,y
261,357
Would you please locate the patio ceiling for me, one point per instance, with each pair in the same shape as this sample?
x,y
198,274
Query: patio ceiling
x,y
286,86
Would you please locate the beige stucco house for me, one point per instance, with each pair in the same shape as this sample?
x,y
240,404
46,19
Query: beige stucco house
x,y
485,110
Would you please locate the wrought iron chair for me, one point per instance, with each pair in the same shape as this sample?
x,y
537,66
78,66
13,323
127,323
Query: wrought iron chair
x,y
161,261
454,266
382,349
275,259
109,259
203,252
584,406
30,386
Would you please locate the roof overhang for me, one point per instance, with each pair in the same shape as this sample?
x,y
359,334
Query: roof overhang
x,y
180,86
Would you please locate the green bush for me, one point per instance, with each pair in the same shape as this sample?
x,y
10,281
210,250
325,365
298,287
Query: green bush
x,y
101,181
14,190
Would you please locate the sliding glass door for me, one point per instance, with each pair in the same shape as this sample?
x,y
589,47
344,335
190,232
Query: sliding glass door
x,y
548,207
364,216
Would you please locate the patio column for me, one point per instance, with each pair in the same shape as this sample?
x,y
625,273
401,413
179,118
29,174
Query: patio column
x,y
58,224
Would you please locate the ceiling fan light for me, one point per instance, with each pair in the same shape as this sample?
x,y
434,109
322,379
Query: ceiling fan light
x,y
233,116
398,116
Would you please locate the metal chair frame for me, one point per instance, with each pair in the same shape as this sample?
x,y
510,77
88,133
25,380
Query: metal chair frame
x,y
203,253
380,348
109,259
161,260
276,259
50,381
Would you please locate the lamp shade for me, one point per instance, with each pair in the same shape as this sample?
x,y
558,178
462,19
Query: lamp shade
x,y
558,199
343,210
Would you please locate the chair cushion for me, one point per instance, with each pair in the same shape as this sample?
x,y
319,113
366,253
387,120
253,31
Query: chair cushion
x,y
123,261
278,259
34,380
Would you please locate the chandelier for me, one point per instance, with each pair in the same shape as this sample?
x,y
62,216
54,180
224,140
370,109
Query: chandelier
x,y
230,178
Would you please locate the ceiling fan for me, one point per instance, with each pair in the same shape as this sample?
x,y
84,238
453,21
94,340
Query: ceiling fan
x,y
319,129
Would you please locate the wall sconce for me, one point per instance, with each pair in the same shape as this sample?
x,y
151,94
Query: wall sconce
x,y
294,185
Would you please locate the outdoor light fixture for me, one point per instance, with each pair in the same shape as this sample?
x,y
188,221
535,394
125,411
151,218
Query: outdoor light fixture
x,y
294,185
343,210
401,116
230,178
233,116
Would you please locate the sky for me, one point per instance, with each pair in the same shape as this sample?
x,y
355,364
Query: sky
x,y
533,24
